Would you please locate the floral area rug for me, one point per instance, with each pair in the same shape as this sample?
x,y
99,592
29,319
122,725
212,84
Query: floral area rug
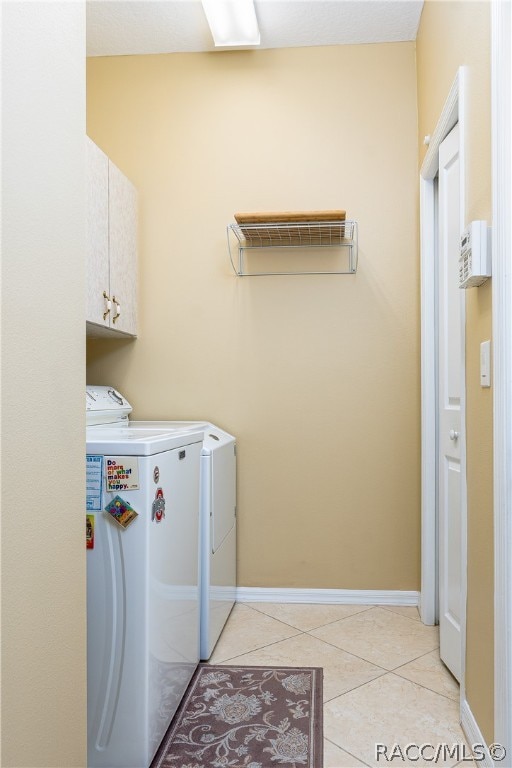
x,y
247,717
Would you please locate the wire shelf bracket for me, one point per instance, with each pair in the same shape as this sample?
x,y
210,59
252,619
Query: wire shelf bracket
x,y
243,238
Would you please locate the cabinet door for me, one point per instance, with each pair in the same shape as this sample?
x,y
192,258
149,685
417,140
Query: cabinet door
x,y
123,251
97,234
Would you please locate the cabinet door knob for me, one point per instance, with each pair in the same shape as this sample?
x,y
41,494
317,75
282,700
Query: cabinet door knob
x,y
108,305
454,435
117,309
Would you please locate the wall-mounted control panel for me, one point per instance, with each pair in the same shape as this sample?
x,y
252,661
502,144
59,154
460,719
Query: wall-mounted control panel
x,y
475,255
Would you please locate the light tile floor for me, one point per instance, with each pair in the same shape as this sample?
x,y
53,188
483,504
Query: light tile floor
x,y
383,679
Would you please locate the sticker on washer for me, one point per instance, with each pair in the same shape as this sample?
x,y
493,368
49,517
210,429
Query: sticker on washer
x,y
158,508
89,531
121,511
122,473
94,478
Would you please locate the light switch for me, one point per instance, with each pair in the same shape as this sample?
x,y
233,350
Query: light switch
x,y
485,364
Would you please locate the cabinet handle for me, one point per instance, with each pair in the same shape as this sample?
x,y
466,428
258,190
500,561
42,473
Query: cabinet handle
x,y
108,305
117,309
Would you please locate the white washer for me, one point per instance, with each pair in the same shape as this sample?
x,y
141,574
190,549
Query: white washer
x,y
142,580
218,526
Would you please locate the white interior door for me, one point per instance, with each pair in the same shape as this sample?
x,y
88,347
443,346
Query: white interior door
x,y
450,415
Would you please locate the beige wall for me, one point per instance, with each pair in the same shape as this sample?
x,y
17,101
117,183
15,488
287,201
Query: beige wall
x,y
317,376
452,34
43,367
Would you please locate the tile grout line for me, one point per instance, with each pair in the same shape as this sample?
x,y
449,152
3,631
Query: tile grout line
x,y
348,753
272,617
403,615
387,610
330,645
313,629
384,671
322,640
350,653
426,688
268,616
356,687
259,648
308,632
361,658
397,673
328,623
421,656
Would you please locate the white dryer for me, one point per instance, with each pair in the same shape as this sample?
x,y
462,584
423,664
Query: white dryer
x,y
217,526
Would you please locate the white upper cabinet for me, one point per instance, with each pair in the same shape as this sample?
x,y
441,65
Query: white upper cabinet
x,y
111,248
122,219
98,279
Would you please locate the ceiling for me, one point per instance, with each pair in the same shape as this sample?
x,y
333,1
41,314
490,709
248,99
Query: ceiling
x,y
126,27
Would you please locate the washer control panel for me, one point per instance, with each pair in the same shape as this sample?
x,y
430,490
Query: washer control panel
x,y
105,405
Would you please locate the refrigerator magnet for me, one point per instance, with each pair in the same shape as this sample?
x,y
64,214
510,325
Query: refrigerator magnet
x,y
121,511
158,507
89,531
94,479
121,473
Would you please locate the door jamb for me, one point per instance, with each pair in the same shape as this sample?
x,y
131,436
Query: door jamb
x,y
501,87
453,112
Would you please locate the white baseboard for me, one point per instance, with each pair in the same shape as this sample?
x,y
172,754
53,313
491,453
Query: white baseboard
x,y
474,736
326,596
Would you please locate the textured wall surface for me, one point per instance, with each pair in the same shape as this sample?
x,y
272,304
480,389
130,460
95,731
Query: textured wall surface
x,y
43,370
317,376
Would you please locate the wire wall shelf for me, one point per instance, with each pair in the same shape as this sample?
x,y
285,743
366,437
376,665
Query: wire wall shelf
x,y
245,238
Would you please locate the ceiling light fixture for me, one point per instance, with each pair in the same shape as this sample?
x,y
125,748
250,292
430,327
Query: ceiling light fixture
x,y
232,22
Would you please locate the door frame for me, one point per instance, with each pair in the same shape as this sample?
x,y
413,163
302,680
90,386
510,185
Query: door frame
x,y
453,112
501,87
